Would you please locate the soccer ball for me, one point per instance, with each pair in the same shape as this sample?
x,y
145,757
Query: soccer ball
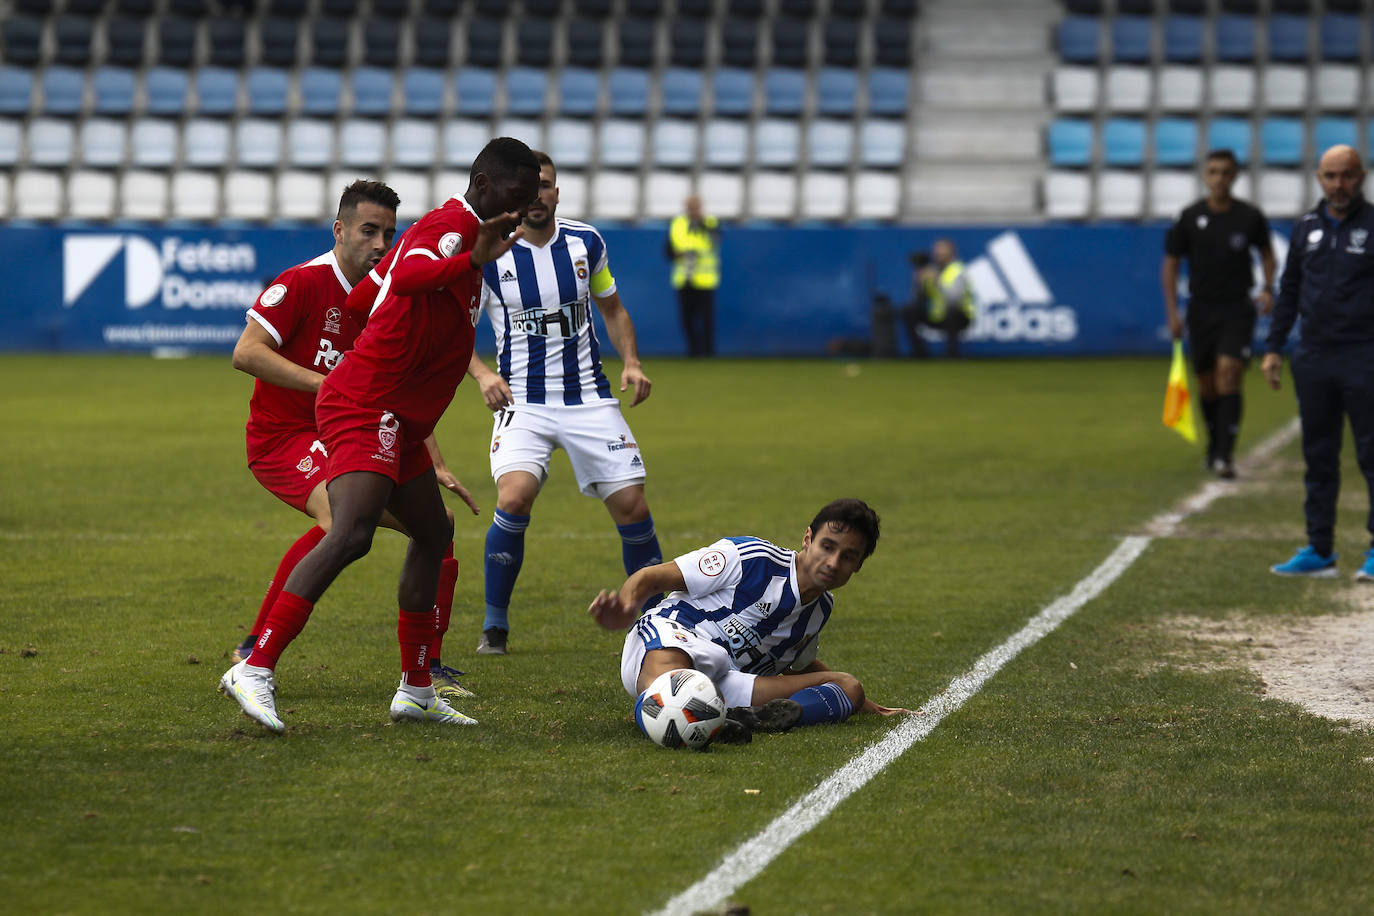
x,y
681,708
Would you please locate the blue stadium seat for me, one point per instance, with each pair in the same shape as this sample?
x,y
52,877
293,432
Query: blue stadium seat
x,y
415,143
11,142
1132,39
682,89
570,143
1329,131
1340,36
789,39
1183,39
1288,38
892,43
152,143
534,41
206,143
882,144
320,89
1235,38
176,42
1123,141
51,142
739,43
475,88
777,142
674,143
887,92
837,91
1070,142
585,43
840,39
629,91
124,40
371,91
733,91
592,9
1079,39
73,39
525,90
462,141
112,89
329,43
64,89
165,89
622,142
339,9
381,42
745,9
687,43
226,40
1175,141
1230,133
258,143
422,91
725,143
217,91
16,90
433,38
1281,141
268,88
362,144
829,143
102,142
784,91
21,37
309,143
579,92
636,43
279,38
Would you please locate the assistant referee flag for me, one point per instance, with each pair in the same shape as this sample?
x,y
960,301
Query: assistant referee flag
x,y
1178,407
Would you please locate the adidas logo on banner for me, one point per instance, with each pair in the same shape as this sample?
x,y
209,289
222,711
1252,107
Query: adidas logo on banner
x,y
1014,303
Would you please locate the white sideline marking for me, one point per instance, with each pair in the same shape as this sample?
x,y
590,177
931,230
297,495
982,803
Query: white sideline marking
x,y
754,855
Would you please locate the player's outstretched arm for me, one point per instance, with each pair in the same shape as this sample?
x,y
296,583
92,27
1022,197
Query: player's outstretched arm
x,y
617,610
447,479
495,392
256,354
621,329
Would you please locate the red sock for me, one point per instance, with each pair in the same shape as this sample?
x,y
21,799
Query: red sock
x,y
443,601
304,544
284,623
415,633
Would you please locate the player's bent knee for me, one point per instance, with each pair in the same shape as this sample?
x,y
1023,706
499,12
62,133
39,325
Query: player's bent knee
x,y
851,687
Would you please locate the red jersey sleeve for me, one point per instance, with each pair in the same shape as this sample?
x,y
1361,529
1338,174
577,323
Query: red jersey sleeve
x,y
438,255
364,295
282,307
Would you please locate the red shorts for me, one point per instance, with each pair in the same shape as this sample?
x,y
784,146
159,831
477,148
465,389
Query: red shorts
x,y
368,439
291,468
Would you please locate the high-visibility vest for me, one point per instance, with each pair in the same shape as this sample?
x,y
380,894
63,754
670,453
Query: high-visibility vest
x,y
695,257
935,293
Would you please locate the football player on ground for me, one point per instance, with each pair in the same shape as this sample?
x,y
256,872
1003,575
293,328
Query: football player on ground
x,y
748,614
551,393
374,413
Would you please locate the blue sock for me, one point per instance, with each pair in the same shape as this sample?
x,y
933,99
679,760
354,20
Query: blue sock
x,y
826,703
505,552
639,548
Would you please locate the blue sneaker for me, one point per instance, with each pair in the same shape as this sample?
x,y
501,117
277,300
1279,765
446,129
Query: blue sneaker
x,y
1307,562
1366,572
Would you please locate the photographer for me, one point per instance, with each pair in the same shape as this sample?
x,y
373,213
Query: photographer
x,y
942,298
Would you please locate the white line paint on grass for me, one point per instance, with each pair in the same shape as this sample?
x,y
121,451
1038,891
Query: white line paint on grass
x,y
746,861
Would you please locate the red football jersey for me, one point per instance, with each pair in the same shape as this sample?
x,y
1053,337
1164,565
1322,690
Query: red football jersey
x,y
418,340
304,312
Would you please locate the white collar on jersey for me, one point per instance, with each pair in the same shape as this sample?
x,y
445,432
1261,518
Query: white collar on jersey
x,y
329,258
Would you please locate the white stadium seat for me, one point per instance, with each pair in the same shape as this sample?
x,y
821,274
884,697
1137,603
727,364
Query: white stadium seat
x,y
1232,88
614,195
1284,87
248,195
153,144
1179,88
1068,195
664,193
309,143
620,143
1074,89
1128,89
195,195
258,143
143,195
1120,194
572,195
300,195
772,195
39,195
722,194
877,195
1282,193
1171,191
90,195
415,191
824,195
103,141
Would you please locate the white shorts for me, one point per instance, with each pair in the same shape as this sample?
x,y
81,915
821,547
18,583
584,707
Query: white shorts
x,y
604,455
654,632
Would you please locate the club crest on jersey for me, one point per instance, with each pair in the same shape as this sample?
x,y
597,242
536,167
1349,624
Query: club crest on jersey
x,y
450,243
386,431
331,321
1357,239
711,563
580,265
495,444
273,295
305,464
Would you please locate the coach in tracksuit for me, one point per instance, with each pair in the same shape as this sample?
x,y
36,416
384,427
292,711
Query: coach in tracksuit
x,y
1329,282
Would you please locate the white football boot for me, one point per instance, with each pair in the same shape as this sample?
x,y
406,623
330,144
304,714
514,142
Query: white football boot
x,y
256,693
422,704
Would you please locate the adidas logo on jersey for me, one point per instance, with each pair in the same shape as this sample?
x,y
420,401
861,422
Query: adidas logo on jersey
x,y
636,463
508,277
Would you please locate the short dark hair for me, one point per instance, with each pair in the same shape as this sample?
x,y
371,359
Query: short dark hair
x,y
544,159
366,191
1226,154
847,515
504,158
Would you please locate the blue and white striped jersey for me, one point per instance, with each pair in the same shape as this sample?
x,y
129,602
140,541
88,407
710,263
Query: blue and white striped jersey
x,y
539,303
742,595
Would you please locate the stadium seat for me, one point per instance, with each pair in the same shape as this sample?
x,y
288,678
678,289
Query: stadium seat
x,y
636,45
51,142
732,92
1132,39
475,89
745,9
784,92
585,43
1120,194
339,9
152,143
1127,89
570,143
674,143
696,9
1170,192
248,196
739,40
1340,36
1336,87
1230,133
664,193
1288,38
1079,39
443,9
1235,38
534,41
681,92
309,143
381,43
887,92
1329,131
1067,195
1282,193
143,195
1123,142
416,192
525,89
124,41
16,90
21,37
1184,39
724,144
42,195
789,43
620,143
206,143
1175,142
195,195
414,143
176,42
824,196
328,43
572,194
216,91
629,92
1284,87
462,141
876,195
1074,89
11,142
1178,88
433,40
579,92
1070,142
882,144
165,90
422,91
528,130
72,37
777,143
225,39
722,193
268,89
772,196
829,143
102,142
192,9
300,195
687,43
840,42
614,195
362,144
892,43
64,90
112,90
371,89
258,143
1232,88
279,39
320,88
849,9
1281,141
483,43
837,91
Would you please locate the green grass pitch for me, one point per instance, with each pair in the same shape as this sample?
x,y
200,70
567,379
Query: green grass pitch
x,y
1090,775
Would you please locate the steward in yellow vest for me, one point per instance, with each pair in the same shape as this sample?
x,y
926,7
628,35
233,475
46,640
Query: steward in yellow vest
x,y
694,248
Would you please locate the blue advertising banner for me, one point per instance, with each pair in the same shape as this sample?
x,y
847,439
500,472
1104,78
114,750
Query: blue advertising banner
x,y
1040,290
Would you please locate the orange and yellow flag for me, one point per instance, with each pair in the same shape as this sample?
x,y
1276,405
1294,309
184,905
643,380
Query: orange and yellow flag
x,y
1178,407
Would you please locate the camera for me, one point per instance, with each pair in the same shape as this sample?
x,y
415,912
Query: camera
x,y
919,259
